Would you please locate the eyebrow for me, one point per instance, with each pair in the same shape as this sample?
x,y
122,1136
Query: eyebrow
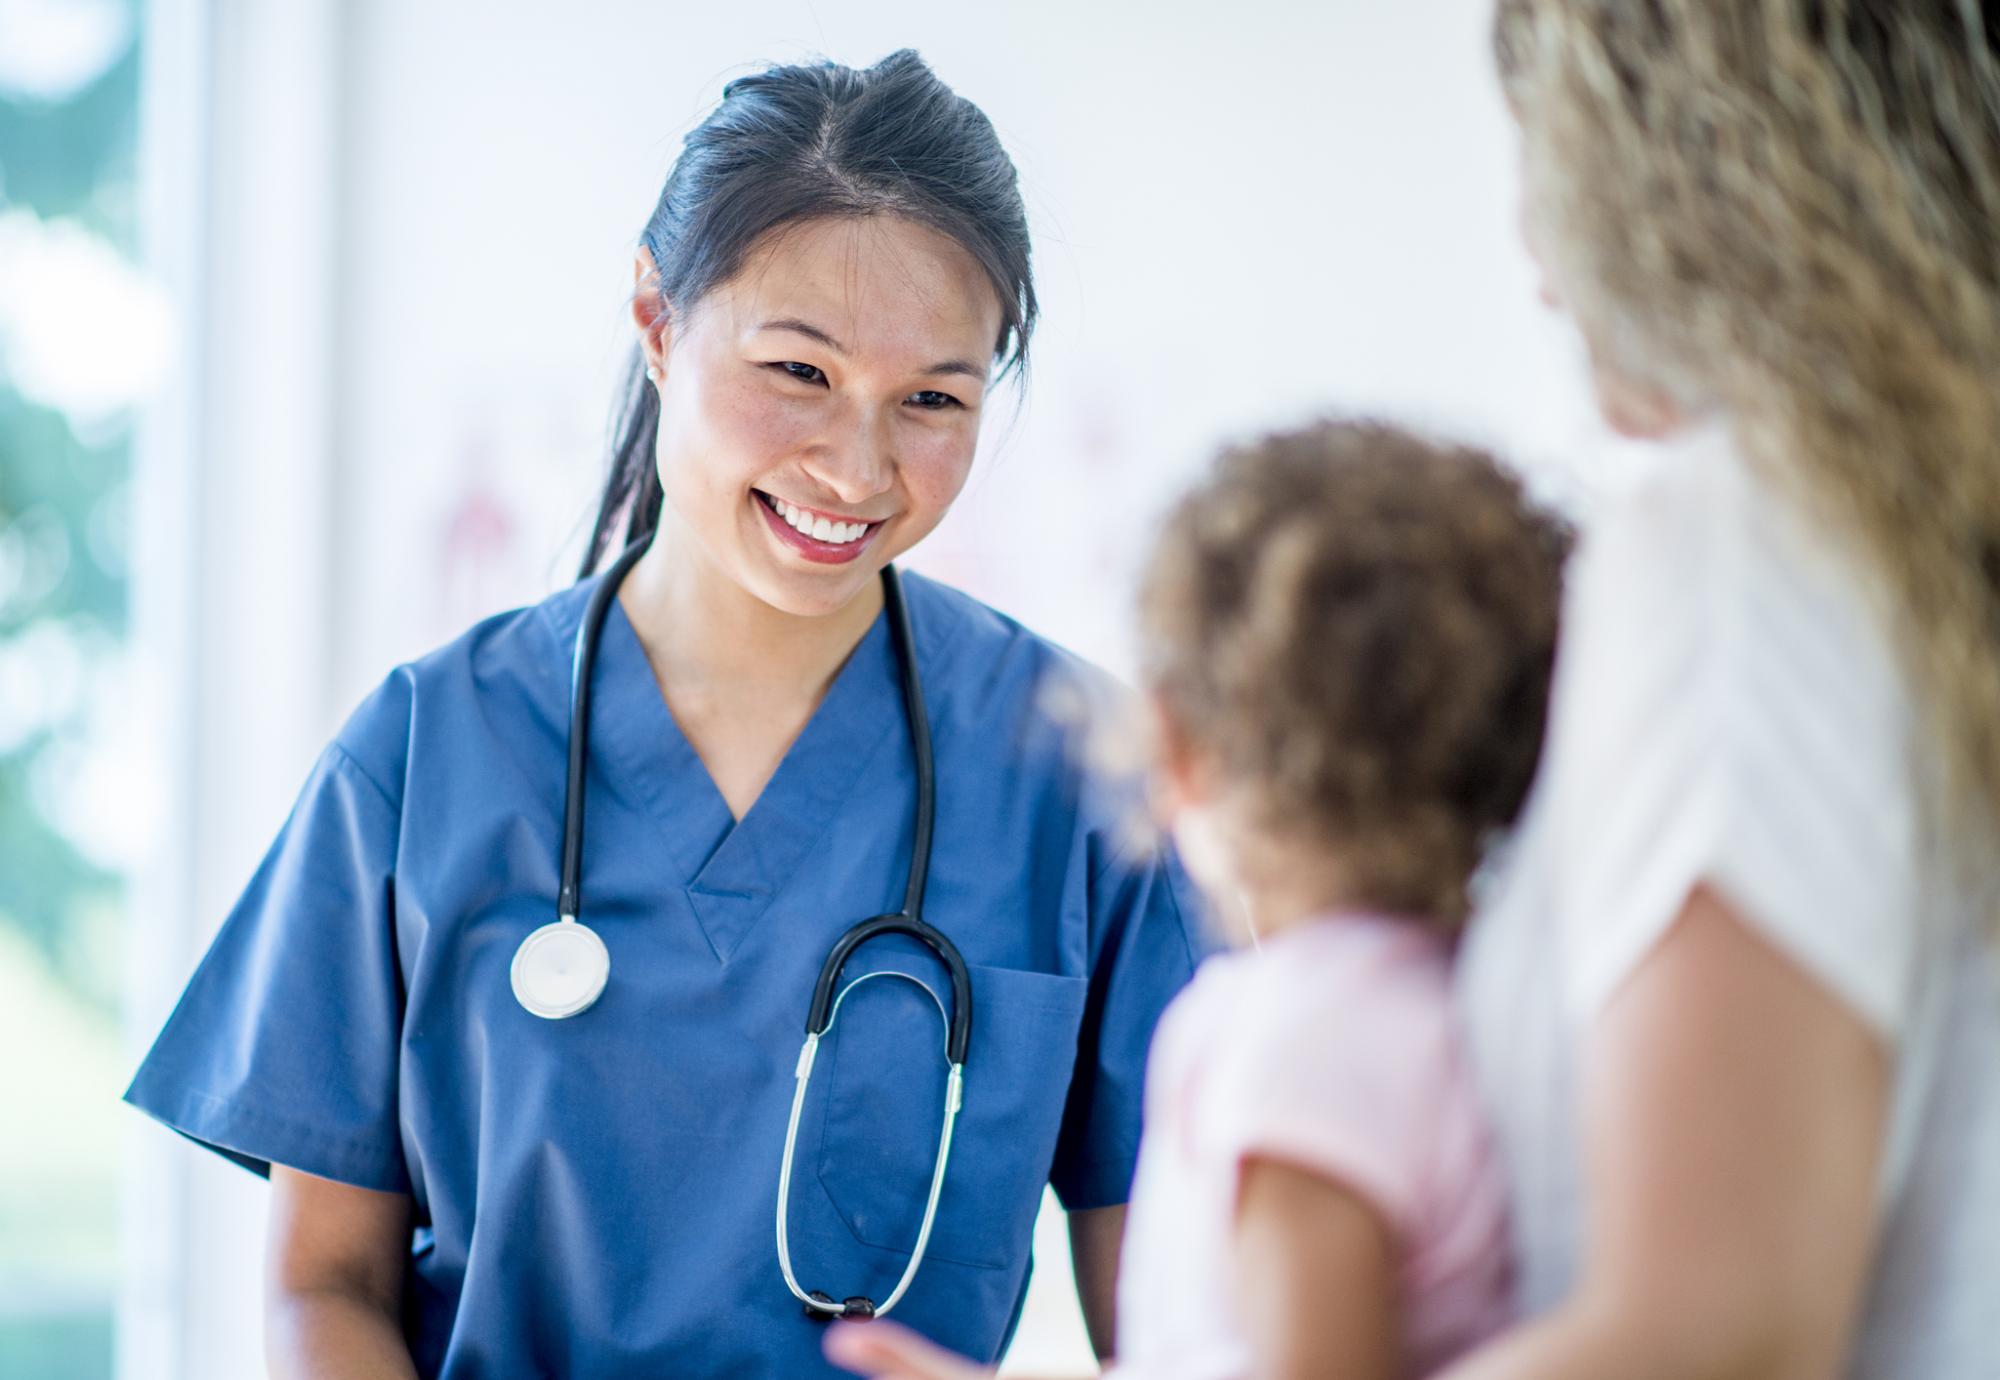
x,y
812,332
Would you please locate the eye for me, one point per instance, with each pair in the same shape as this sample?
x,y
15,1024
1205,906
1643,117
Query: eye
x,y
931,400
804,373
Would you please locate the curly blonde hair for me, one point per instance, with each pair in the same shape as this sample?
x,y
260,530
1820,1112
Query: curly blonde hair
x,y
1788,208
1356,629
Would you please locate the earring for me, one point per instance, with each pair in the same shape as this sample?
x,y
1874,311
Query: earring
x,y
653,372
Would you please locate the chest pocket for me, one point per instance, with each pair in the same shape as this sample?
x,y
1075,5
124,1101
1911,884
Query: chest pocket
x,y
884,1104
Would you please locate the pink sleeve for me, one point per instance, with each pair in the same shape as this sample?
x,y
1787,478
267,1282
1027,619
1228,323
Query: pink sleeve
x,y
1348,1086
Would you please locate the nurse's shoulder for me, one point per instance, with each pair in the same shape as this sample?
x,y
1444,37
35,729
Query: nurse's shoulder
x,y
501,687
954,627
1026,702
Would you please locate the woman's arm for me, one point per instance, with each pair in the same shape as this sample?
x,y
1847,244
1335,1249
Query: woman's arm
x,y
1095,1235
1315,1277
334,1280
1733,1113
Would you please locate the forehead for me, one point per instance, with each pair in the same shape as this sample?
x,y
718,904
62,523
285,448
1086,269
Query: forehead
x,y
878,284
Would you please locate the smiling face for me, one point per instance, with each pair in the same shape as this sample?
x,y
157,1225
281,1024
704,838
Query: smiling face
x,y
819,410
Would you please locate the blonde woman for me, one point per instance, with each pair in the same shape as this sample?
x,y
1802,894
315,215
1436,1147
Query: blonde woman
x,y
1736,1011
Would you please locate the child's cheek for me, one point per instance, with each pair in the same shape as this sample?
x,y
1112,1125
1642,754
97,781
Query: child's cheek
x,y
1198,839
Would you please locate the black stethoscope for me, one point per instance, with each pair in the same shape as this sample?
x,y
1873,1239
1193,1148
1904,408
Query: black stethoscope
x,y
561,969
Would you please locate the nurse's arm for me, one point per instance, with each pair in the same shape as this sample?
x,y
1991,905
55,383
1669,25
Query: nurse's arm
x,y
334,1263
1095,1235
1733,1111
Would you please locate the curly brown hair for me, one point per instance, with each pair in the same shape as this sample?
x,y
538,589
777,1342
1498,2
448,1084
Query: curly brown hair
x,y
1356,628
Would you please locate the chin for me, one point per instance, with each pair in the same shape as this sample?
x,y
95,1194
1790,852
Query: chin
x,y
810,594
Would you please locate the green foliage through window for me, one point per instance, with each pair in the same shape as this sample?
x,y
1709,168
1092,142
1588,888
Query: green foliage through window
x,y
69,100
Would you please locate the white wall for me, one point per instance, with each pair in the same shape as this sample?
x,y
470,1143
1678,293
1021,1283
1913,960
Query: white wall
x,y
1243,213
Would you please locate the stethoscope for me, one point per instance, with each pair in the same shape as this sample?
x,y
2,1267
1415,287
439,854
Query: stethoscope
x,y
560,970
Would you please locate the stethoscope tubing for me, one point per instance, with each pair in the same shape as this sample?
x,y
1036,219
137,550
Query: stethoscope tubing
x,y
569,900
827,993
954,1098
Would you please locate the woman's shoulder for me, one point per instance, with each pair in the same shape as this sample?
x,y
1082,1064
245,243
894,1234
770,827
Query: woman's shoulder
x,y
1712,597
1696,522
504,673
1730,707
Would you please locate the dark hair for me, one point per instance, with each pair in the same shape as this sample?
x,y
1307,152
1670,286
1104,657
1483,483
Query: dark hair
x,y
811,142
1359,627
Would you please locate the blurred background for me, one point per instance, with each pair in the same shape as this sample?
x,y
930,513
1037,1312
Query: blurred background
x,y
310,314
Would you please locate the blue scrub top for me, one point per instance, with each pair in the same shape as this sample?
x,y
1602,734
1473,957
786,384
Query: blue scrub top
x,y
596,1196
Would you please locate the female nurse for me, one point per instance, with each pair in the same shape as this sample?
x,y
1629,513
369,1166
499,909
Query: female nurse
x,y
465,1185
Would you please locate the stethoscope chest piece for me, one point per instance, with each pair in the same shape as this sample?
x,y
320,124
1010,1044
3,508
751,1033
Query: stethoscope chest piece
x,y
560,969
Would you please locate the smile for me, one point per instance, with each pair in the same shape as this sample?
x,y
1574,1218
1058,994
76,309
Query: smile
x,y
817,536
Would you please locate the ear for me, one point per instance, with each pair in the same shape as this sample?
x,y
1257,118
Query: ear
x,y
1180,780
650,316
1635,409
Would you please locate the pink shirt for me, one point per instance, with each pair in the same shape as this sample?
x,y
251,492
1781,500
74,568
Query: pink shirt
x,y
1333,1048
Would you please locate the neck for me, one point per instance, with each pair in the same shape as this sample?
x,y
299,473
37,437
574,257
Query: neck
x,y
1273,910
708,635
1282,887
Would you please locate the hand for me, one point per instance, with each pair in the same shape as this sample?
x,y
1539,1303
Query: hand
x,y
888,1351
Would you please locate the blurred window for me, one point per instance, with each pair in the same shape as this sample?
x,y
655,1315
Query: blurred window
x,y
78,340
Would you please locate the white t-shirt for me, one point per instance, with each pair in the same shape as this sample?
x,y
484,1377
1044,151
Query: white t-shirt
x,y
1729,708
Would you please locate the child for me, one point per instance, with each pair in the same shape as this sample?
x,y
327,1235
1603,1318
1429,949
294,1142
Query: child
x,y
1348,640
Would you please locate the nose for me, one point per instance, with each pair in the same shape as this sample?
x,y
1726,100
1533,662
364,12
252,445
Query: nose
x,y
858,463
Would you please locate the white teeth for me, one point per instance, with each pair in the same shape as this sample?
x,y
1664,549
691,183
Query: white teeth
x,y
819,528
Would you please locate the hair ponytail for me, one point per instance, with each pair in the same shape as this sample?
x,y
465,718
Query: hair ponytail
x,y
632,487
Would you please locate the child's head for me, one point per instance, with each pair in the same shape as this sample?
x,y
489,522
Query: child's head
x,y
1348,633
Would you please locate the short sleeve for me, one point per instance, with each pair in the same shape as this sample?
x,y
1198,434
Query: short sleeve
x,y
1728,711
283,1047
1366,1113
1146,923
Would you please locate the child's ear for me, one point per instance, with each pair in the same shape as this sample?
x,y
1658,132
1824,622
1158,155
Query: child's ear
x,y
1179,781
1186,804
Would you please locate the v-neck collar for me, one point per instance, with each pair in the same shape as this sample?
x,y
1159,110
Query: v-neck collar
x,y
732,869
